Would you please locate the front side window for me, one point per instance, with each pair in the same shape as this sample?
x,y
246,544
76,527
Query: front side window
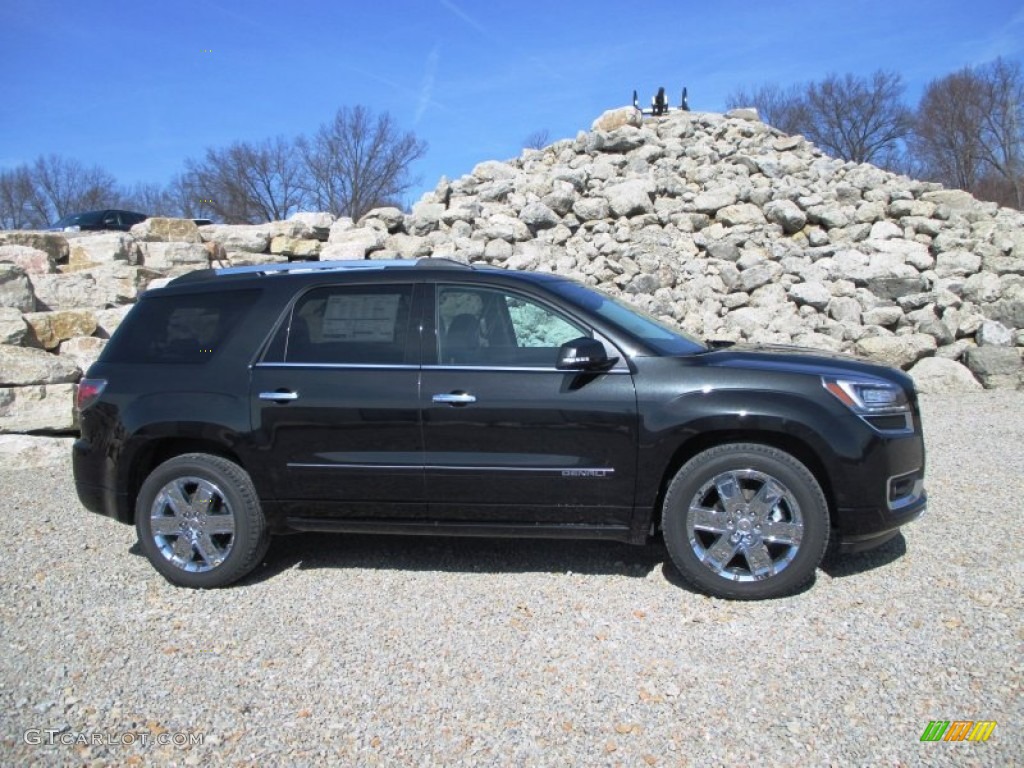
x,y
360,324
487,327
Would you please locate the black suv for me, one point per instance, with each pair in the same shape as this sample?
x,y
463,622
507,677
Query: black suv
x,y
109,218
431,397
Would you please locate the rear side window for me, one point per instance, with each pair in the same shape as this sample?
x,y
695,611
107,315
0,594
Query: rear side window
x,y
178,329
348,325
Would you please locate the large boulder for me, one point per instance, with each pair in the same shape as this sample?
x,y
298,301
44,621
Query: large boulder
x,y
996,367
897,351
13,329
166,230
319,223
82,351
33,260
15,289
20,366
37,408
247,238
353,243
55,246
939,376
168,255
629,198
88,250
616,118
49,329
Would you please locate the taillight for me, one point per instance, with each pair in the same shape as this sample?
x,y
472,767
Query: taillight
x,y
88,391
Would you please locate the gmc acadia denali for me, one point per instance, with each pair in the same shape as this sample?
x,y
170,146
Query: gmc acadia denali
x,y
432,397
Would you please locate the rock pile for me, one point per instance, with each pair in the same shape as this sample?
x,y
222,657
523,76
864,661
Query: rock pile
x,y
717,222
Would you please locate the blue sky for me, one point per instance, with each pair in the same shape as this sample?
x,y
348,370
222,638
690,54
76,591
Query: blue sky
x,y
136,87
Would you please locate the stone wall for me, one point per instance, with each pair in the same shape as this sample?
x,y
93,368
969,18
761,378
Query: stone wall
x,y
718,222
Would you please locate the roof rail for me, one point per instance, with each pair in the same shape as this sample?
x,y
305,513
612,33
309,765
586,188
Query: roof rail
x,y
305,267
299,267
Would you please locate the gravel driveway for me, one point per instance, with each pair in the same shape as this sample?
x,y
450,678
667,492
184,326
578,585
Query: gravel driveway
x,y
412,651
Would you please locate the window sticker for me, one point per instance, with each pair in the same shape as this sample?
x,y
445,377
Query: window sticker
x,y
365,317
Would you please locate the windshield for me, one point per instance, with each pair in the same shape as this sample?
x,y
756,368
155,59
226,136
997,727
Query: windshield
x,y
666,339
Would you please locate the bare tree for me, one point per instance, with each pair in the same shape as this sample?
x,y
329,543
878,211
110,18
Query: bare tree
x,y
358,161
1001,118
946,138
969,131
538,139
148,198
17,195
64,186
857,119
782,108
248,183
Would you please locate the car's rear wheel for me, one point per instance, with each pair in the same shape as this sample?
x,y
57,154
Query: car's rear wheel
x,y
745,521
200,522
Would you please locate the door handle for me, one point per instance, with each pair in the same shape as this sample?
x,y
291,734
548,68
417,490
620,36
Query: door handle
x,y
455,398
279,397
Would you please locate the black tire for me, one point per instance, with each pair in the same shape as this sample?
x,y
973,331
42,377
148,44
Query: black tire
x,y
209,525
745,521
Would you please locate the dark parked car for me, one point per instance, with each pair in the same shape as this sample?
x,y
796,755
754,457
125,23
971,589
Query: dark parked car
x,y
109,218
430,397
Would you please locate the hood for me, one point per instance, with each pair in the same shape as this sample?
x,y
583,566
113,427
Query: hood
x,y
792,359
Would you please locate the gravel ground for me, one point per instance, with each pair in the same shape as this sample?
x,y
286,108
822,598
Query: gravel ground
x,y
410,651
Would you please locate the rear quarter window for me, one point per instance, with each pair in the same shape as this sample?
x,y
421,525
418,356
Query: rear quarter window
x,y
179,329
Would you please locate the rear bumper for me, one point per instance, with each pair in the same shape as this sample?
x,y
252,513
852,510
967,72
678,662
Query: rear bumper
x,y
94,481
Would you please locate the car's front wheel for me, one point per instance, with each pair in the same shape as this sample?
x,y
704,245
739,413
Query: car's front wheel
x,y
745,521
200,522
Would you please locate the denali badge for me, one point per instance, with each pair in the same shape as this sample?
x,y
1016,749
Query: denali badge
x,y
587,472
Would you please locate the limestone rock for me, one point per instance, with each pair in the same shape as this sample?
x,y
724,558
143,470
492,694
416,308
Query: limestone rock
x,y
167,255
166,230
49,329
52,244
996,367
20,366
787,215
897,351
33,260
37,408
83,351
15,289
939,376
13,329
88,249
994,334
814,294
295,247
353,243
246,238
616,118
319,223
629,198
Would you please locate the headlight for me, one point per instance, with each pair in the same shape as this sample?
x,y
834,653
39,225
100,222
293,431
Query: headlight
x,y
881,404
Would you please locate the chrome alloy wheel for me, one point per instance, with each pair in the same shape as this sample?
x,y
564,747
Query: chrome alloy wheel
x,y
744,525
192,524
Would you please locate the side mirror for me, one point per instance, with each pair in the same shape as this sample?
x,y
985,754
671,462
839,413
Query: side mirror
x,y
584,354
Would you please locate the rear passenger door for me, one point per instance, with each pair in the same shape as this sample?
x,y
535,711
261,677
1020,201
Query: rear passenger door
x,y
336,403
